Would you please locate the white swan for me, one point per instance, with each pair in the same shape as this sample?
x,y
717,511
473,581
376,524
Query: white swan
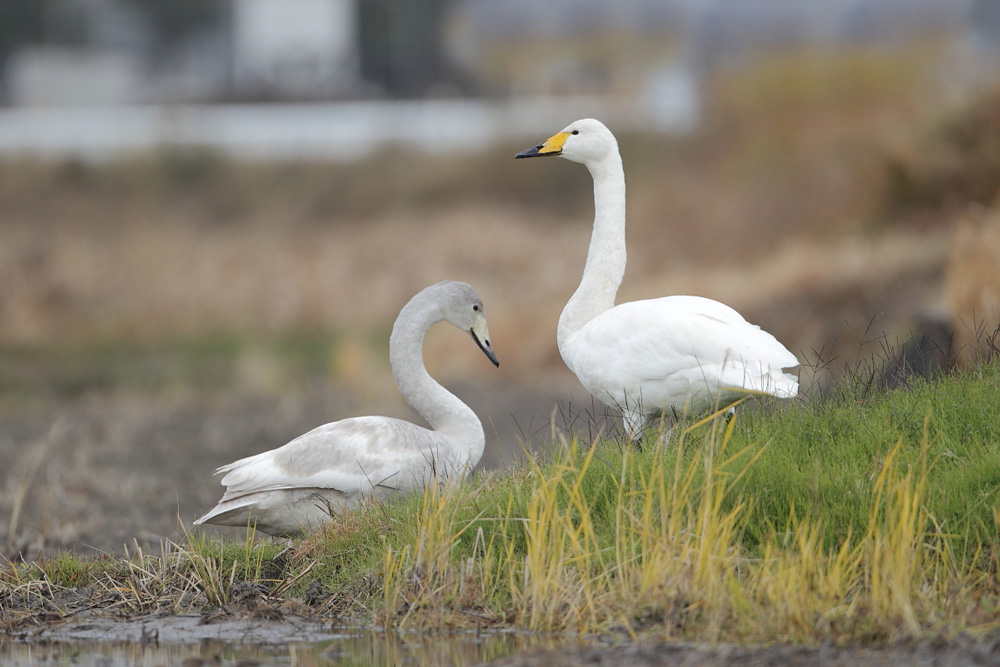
x,y
296,487
685,355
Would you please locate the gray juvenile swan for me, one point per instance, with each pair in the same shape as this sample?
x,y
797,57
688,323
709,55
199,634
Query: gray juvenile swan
x,y
294,488
678,354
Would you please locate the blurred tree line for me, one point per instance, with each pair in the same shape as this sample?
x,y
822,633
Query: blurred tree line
x,y
21,22
399,41
68,23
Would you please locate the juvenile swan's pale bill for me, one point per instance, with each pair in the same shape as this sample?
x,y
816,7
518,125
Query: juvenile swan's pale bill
x,y
683,355
294,488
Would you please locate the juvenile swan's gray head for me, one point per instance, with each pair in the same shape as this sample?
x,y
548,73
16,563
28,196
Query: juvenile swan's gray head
x,y
586,140
461,306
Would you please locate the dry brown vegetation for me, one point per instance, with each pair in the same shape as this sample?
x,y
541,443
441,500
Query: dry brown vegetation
x,y
972,283
811,157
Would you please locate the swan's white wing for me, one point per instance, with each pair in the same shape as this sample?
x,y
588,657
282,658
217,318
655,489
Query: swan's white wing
x,y
679,352
289,489
351,456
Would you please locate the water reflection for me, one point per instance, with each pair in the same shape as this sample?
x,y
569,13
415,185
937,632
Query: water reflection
x,y
349,649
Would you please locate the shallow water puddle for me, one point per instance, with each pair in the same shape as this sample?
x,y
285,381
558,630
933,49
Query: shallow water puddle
x,y
348,648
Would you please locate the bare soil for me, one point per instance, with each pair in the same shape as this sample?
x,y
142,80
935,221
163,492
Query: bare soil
x,y
273,627
959,652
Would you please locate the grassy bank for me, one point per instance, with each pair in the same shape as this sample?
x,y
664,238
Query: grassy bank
x,y
861,516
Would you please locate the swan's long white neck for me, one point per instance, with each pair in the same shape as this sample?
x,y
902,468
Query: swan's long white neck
x,y
605,266
448,416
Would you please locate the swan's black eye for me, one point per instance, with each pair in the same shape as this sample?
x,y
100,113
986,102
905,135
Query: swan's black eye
x,y
475,307
575,132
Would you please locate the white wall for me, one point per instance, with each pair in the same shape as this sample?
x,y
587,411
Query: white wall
x,y
294,46
53,76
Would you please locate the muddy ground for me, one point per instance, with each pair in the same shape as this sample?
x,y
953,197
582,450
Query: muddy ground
x,y
960,652
549,651
61,619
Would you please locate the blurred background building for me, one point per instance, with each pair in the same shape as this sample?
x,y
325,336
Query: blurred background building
x,y
637,62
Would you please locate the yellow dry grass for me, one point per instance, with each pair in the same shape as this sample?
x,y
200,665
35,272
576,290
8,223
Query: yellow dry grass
x,y
676,554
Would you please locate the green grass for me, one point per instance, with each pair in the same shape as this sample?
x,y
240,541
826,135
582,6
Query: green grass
x,y
823,457
65,570
860,516
841,475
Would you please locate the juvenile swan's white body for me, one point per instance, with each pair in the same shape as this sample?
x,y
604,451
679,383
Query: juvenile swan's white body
x,y
685,355
296,487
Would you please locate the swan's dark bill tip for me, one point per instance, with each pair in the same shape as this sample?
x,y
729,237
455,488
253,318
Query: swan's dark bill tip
x,y
486,348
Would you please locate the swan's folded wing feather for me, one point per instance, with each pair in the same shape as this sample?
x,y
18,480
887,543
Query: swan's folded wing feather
x,y
671,345
352,455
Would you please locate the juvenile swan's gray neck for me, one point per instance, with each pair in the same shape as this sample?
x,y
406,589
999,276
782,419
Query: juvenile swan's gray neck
x,y
605,266
449,417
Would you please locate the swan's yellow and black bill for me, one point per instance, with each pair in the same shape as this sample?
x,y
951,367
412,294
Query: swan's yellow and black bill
x,y
481,334
552,146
